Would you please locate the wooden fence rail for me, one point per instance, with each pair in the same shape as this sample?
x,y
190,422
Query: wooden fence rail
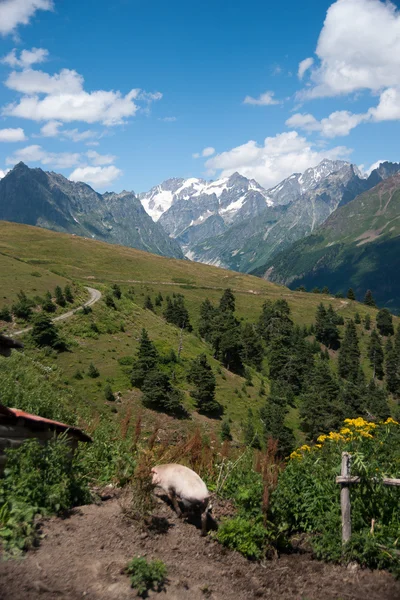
x,y
346,480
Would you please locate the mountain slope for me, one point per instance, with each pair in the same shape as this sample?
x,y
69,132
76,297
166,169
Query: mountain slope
x,y
358,246
49,200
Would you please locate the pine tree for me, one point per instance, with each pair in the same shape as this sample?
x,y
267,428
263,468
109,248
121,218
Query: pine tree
x,y
148,305
325,290
316,290
227,343
116,291
44,332
69,297
225,433
5,314
326,330
22,309
146,360
93,371
320,320
227,302
320,408
108,393
48,304
273,415
159,394
349,355
253,350
207,314
376,402
384,322
60,298
352,395
202,377
176,312
369,299
392,368
375,355
350,294
159,299
367,322
357,318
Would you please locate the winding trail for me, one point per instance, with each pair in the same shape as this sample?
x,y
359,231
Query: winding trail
x,y
95,295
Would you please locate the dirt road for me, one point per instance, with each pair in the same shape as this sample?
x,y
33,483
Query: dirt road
x,y
95,295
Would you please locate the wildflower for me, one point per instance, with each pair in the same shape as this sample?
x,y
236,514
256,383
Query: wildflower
x,y
389,421
322,438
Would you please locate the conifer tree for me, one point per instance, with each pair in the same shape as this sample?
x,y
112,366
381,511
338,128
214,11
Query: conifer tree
x,y
202,377
352,395
176,312
273,415
207,314
349,355
159,394
369,299
148,304
146,360
253,350
60,298
22,309
325,290
225,434
367,322
350,294
69,297
116,291
392,368
316,290
226,341
48,304
375,355
326,330
227,302
376,402
384,322
159,299
357,318
320,408
44,332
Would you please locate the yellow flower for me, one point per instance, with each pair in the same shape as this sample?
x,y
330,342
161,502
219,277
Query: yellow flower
x,y
318,445
345,431
390,420
322,438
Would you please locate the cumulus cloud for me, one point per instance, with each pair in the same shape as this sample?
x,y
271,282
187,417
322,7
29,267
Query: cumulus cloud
x,y
388,108
61,97
277,158
97,176
37,154
339,123
208,151
3,173
266,99
100,159
304,65
12,135
53,129
19,12
358,48
26,59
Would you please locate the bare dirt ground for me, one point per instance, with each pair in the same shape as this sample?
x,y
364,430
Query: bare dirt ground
x,y
84,555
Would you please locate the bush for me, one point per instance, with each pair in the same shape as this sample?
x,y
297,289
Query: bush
x,y
249,537
60,298
307,498
146,576
69,297
44,333
5,314
23,308
93,371
38,480
108,393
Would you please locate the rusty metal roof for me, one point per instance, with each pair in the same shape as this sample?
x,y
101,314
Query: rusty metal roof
x,y
15,413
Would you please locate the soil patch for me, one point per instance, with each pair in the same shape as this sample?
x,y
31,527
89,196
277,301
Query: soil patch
x,y
83,556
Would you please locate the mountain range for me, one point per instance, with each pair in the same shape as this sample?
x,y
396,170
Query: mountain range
x,y
49,200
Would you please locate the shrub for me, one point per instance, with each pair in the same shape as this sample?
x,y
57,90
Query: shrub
x,y
247,536
60,298
22,309
108,393
44,333
93,371
69,297
109,300
5,314
146,576
38,480
307,498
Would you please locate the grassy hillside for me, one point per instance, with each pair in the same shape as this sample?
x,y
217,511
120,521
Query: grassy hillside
x,y
358,246
108,338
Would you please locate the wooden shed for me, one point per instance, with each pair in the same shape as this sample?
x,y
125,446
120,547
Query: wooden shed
x,y
16,426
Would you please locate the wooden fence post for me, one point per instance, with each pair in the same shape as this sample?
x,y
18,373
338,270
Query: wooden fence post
x,y
345,499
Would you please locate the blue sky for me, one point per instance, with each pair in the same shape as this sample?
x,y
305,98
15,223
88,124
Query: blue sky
x,y
228,78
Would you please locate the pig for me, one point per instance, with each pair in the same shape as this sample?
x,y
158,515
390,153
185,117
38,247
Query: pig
x,y
182,484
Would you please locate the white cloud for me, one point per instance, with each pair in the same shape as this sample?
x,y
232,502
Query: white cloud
x,y
266,99
98,176
3,173
338,123
208,151
37,154
388,108
26,59
12,135
92,143
374,165
358,48
53,129
31,81
277,158
168,119
19,12
304,65
100,159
